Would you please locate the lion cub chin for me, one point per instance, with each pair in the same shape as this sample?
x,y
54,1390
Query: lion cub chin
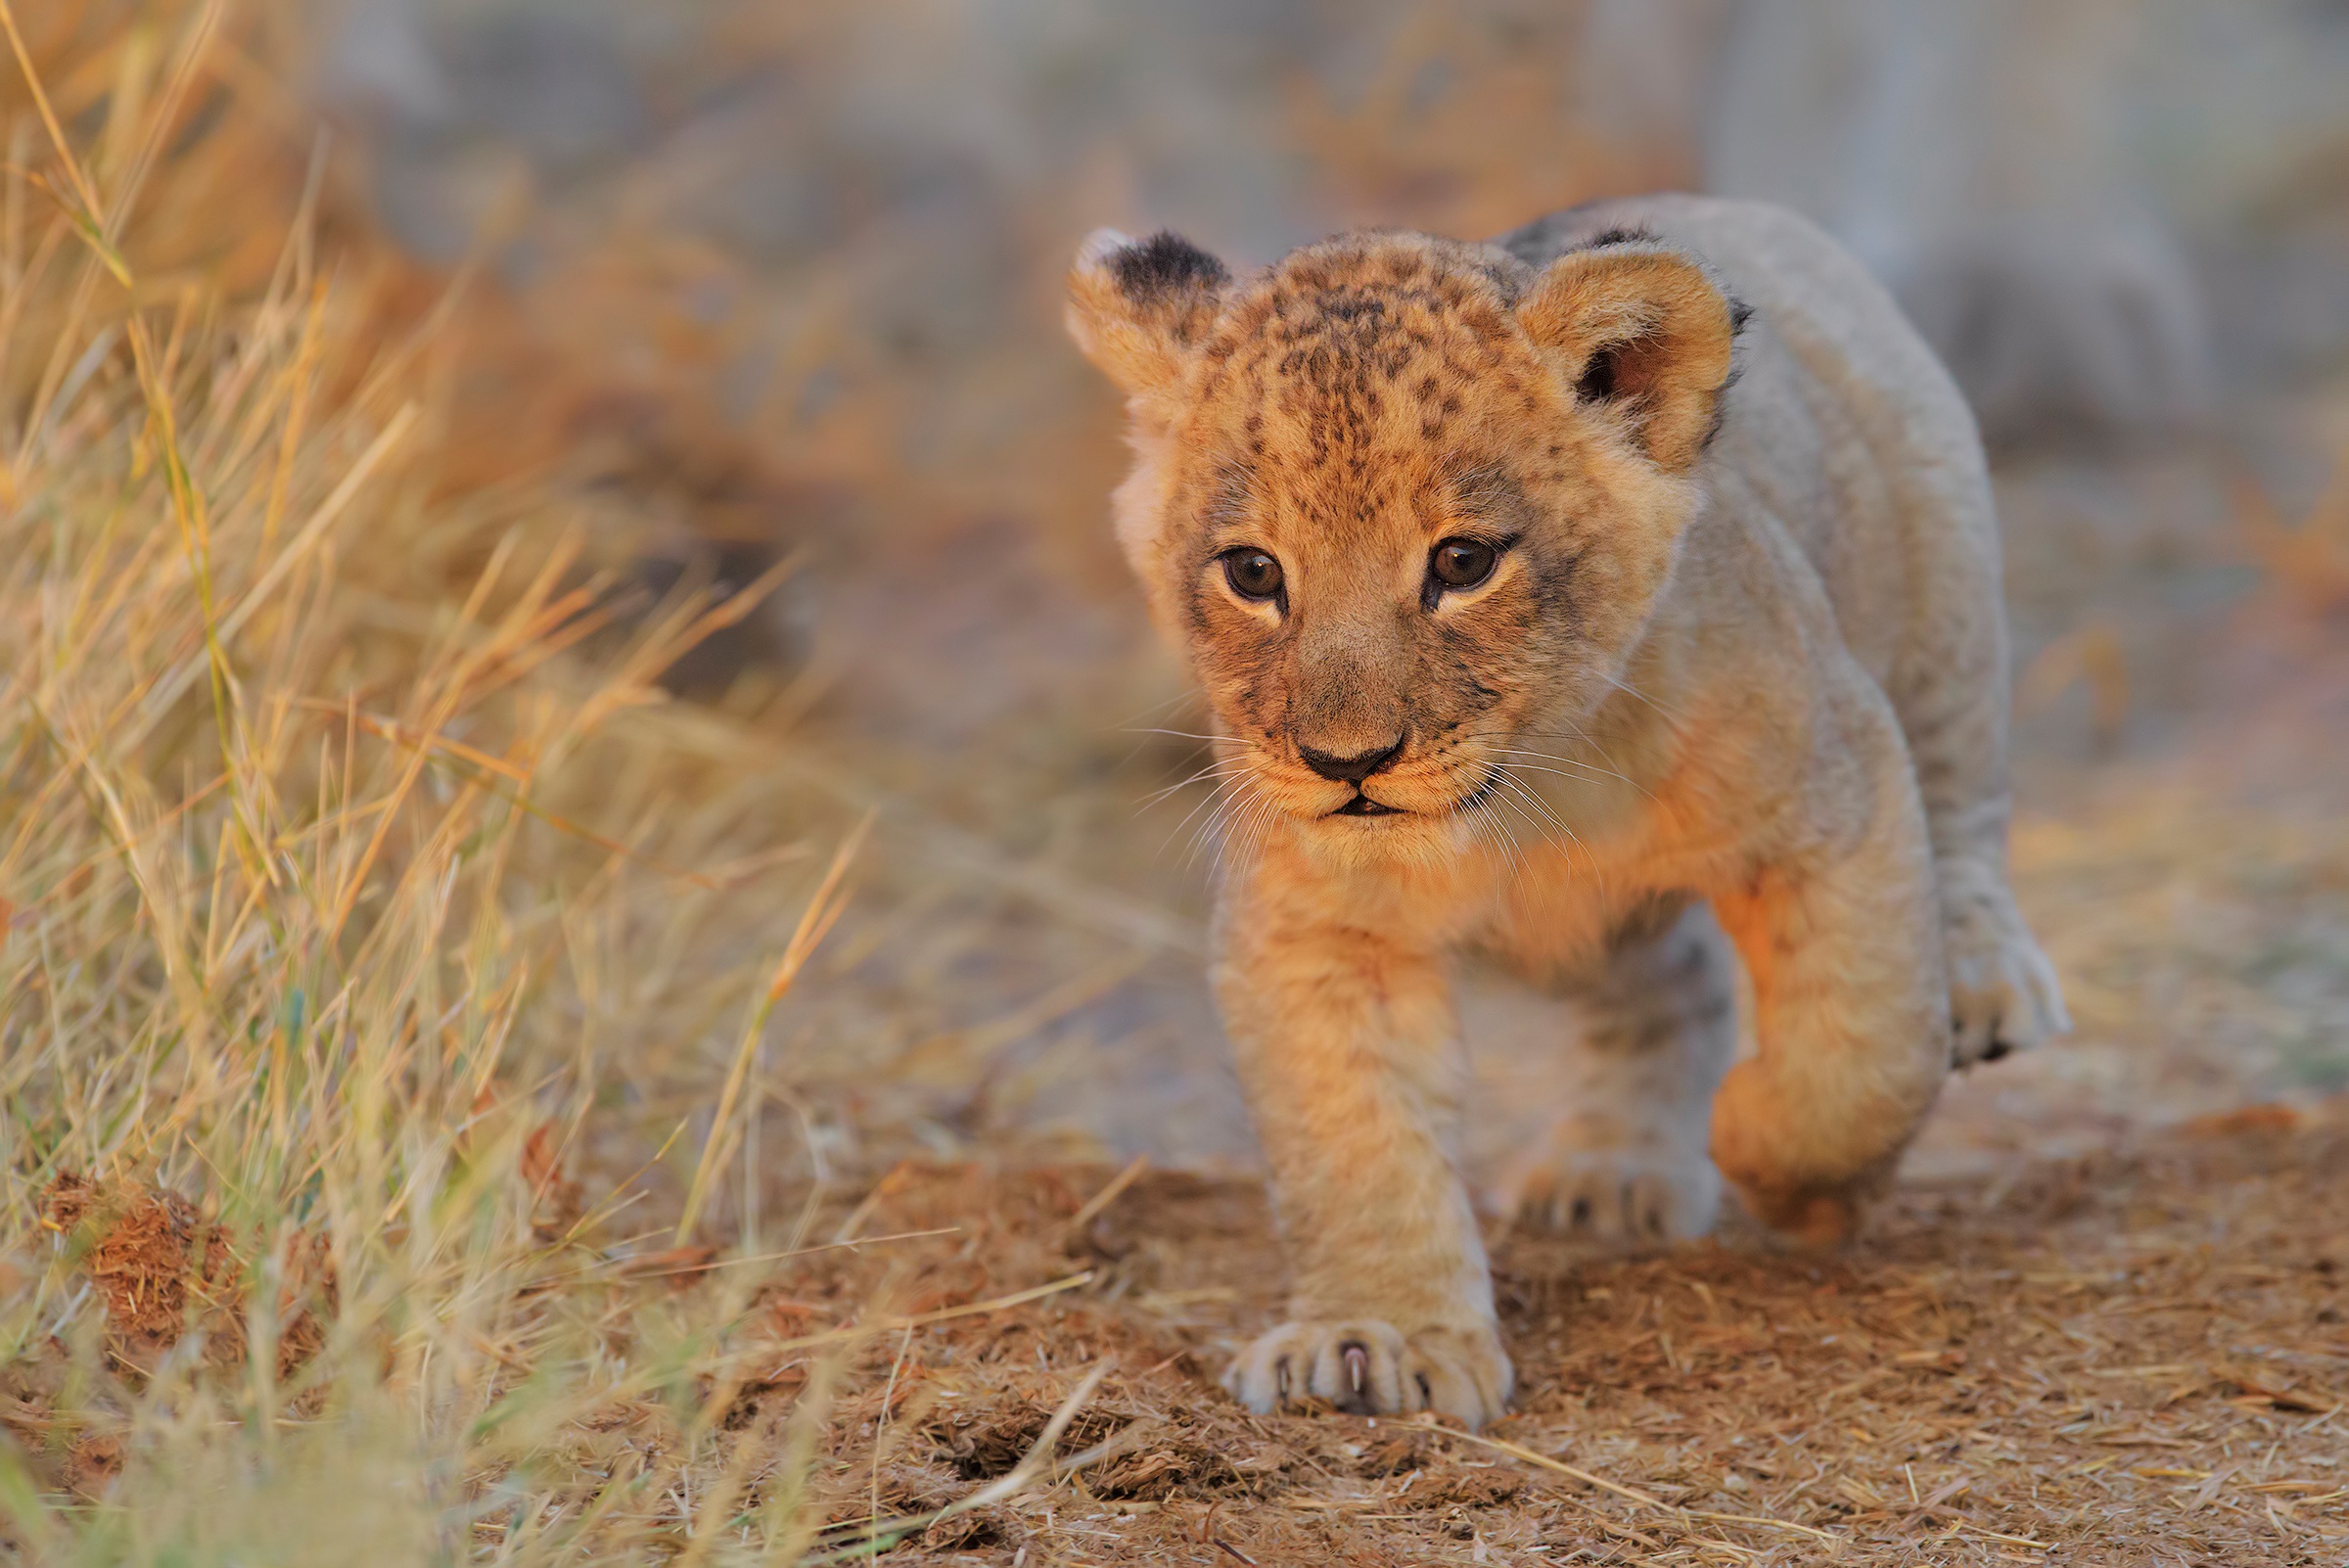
x,y
1620,598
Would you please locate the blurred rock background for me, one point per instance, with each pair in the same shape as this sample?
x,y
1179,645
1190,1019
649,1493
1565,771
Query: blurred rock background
x,y
756,280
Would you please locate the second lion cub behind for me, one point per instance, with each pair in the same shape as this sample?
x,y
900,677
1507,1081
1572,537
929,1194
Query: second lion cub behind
x,y
1604,597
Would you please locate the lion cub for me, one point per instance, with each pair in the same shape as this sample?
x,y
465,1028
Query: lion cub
x,y
1605,597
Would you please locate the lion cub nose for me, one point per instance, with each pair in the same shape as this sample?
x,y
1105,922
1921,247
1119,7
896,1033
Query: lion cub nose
x,y
1348,769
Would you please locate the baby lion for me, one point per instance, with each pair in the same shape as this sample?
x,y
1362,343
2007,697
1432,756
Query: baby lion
x,y
1604,597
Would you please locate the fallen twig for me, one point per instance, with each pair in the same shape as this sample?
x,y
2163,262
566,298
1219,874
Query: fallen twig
x,y
1034,1463
1635,1494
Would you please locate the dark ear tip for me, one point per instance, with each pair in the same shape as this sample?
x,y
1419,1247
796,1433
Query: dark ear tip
x,y
1164,263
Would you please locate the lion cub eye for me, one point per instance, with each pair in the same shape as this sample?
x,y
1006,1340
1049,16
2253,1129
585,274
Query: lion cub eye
x,y
1463,562
1252,573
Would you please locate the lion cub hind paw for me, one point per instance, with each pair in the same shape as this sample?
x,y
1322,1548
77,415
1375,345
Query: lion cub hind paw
x,y
1619,1198
1372,1369
2003,994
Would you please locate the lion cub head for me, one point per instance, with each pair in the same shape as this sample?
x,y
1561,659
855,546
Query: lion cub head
x,y
1401,502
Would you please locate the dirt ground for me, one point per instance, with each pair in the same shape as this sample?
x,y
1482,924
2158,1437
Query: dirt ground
x,y
2130,1358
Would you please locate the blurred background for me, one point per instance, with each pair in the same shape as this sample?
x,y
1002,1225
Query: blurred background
x,y
751,283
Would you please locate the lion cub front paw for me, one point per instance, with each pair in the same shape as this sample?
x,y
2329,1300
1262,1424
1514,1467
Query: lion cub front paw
x,y
1632,1196
2003,994
1373,1368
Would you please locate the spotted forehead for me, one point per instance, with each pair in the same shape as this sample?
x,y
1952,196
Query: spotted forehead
x,y
1345,345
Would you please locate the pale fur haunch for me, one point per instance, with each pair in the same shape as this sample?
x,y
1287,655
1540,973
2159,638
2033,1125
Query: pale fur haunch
x,y
1620,598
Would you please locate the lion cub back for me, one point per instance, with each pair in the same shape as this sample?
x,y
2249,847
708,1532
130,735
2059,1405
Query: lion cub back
x,y
1841,427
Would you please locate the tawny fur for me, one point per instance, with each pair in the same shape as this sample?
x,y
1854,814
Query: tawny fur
x,y
1738,678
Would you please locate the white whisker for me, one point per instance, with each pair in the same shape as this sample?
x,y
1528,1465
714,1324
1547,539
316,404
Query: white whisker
x,y
1215,799
1221,769
1192,694
1610,770
1497,833
1534,796
1211,831
1249,839
1505,774
1216,832
1242,835
1634,692
1194,735
1524,795
1587,770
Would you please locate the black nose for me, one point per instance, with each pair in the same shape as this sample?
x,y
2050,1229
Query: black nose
x,y
1348,769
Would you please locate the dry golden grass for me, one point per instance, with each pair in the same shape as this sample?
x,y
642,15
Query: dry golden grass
x,y
394,990
328,893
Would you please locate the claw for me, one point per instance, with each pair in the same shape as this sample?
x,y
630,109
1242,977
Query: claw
x,y
1358,1366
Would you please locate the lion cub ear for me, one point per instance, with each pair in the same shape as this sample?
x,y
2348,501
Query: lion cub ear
x,y
1138,308
1643,328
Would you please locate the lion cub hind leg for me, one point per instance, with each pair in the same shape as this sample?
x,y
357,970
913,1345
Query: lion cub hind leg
x,y
1627,1164
1950,690
2003,993
1840,929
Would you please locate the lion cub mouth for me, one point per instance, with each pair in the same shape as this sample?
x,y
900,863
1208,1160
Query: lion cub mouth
x,y
1362,805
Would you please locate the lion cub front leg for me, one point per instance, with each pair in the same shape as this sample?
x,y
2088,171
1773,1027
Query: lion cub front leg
x,y
1351,1056
1840,930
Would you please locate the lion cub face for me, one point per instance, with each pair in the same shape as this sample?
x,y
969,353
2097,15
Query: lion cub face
x,y
1404,503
